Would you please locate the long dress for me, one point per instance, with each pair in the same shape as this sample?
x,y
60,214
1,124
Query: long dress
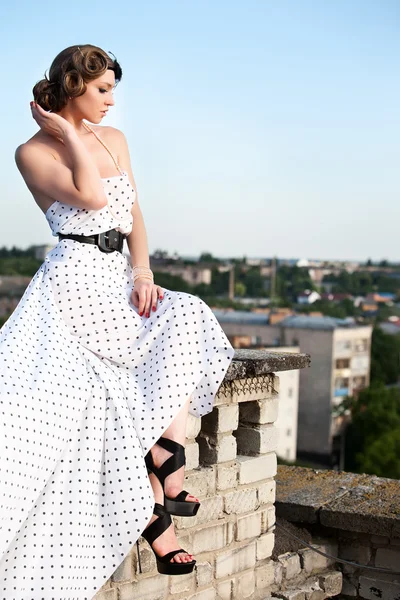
x,y
87,386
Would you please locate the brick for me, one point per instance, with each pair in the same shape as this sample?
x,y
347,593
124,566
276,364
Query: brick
x,y
265,545
388,558
258,439
222,419
147,558
241,501
204,573
183,583
255,468
311,561
379,540
248,527
245,585
125,571
208,594
148,588
211,538
193,426
373,588
356,553
291,595
225,589
216,448
192,456
268,574
331,583
227,476
268,519
315,594
210,510
267,492
201,482
259,412
290,562
235,560
106,595
349,589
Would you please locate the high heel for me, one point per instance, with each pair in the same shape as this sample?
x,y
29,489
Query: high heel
x,y
151,533
178,505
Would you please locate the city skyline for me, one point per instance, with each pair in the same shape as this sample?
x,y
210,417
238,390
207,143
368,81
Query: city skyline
x,y
270,129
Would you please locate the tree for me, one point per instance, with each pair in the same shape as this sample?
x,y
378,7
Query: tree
x,y
385,353
374,428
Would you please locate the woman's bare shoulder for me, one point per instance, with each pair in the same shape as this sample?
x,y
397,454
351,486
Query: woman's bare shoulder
x,y
36,145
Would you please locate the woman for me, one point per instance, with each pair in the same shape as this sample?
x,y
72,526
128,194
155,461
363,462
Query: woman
x,y
100,365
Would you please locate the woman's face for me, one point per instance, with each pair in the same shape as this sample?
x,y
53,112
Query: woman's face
x,y
95,102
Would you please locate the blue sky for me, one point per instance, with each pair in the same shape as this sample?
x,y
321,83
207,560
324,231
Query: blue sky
x,y
259,128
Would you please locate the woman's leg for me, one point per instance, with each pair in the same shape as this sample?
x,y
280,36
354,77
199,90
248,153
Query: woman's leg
x,y
167,541
177,432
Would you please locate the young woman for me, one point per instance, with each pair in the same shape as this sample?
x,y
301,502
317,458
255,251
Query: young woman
x,y
99,365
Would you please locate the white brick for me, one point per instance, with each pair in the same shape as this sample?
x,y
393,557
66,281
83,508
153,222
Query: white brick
x,y
148,588
235,560
256,440
211,538
222,419
225,589
241,501
255,468
210,510
216,448
192,456
227,476
268,574
204,573
245,585
248,527
267,492
265,545
290,562
208,594
311,560
193,426
388,558
183,583
331,583
201,482
259,412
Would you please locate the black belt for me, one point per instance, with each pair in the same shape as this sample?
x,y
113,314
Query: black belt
x,y
107,241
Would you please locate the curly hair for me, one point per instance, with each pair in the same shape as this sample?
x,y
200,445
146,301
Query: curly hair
x,y
69,73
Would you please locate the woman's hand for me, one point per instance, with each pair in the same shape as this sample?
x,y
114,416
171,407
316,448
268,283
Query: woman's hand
x,y
145,294
51,123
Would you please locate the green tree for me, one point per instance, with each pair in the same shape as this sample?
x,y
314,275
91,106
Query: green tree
x,y
375,419
385,357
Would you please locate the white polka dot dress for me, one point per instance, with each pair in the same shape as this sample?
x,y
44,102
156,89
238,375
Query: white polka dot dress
x,y
87,386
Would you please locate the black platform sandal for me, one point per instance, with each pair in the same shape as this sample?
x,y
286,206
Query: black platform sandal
x,y
178,505
151,533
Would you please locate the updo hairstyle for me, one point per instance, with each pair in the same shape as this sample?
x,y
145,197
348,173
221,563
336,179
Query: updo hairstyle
x,y
69,73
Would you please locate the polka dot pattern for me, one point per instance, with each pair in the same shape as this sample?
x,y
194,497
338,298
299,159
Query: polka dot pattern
x,y
86,388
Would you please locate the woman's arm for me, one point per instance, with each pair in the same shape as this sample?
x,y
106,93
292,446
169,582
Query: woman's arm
x,y
81,186
145,293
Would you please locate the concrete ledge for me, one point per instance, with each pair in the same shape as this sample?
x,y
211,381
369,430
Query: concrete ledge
x,y
252,363
348,501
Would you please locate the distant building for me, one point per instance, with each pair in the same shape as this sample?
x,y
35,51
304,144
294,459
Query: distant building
x,y
41,251
340,366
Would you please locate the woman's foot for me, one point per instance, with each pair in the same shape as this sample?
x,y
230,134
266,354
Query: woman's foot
x,y
167,541
173,484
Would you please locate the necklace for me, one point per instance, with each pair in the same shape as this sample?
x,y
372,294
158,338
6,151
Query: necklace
x,y
104,144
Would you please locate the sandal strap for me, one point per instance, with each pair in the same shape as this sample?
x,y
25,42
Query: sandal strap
x,y
167,557
181,497
153,531
174,462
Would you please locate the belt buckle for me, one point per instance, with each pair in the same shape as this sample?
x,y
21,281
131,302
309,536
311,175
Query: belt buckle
x,y
109,241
